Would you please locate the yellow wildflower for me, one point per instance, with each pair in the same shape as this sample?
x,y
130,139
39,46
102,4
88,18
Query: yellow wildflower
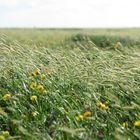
x,y
2,137
137,123
7,96
40,87
37,72
34,114
5,133
33,74
87,114
33,85
43,77
125,124
33,98
102,106
45,91
80,118
98,103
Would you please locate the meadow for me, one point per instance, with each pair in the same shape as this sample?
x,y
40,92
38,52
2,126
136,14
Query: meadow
x,y
69,84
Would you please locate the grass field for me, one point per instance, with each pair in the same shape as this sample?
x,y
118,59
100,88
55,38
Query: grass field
x,y
73,84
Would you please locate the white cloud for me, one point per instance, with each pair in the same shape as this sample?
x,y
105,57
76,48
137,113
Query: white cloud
x,y
72,13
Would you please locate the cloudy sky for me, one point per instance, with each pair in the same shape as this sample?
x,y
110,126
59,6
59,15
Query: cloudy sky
x,y
69,13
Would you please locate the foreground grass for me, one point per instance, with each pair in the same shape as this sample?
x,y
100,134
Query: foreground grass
x,y
68,86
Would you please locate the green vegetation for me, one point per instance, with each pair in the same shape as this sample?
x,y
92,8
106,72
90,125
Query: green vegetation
x,y
79,84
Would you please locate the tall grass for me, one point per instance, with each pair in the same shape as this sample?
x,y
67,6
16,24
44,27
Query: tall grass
x,y
78,73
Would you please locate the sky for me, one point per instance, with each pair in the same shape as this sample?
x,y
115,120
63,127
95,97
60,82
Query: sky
x,y
70,13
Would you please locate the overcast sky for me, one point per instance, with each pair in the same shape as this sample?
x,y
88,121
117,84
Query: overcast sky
x,y
69,13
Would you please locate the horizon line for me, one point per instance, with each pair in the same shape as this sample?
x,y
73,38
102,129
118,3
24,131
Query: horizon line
x,y
70,27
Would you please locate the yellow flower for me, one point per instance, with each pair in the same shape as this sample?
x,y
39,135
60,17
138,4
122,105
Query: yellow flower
x,y
40,87
33,74
33,98
45,91
7,97
37,72
43,77
137,123
5,133
80,118
2,137
34,114
87,114
125,124
33,85
102,106
98,103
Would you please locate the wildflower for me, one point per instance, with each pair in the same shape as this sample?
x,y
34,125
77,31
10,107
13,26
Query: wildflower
x,y
37,72
45,91
80,118
102,106
7,97
118,45
5,133
98,103
87,114
2,137
33,85
40,87
34,114
137,123
33,98
125,124
43,77
33,74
